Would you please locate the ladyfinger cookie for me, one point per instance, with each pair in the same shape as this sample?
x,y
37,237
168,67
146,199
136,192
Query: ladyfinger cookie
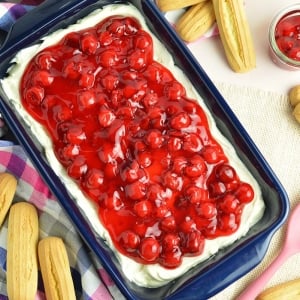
x,y
285,291
197,20
8,186
22,239
294,98
235,34
55,268
167,5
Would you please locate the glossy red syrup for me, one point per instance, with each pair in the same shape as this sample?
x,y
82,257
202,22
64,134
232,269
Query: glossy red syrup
x,y
287,35
126,132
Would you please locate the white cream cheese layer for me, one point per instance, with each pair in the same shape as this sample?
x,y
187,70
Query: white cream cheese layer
x,y
143,275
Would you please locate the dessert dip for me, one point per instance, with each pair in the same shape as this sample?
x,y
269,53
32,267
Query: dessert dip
x,y
134,143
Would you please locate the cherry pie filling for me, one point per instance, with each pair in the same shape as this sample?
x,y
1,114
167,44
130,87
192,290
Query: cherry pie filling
x,y
287,35
124,129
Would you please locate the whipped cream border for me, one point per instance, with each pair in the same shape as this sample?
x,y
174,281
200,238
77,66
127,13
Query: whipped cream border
x,y
143,275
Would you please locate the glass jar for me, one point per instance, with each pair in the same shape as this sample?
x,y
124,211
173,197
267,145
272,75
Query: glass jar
x,y
284,37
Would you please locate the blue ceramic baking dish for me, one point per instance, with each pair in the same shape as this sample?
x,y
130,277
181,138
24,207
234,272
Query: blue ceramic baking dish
x,y
213,275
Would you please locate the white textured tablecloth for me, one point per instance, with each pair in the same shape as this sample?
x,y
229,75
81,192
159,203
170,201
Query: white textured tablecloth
x,y
267,116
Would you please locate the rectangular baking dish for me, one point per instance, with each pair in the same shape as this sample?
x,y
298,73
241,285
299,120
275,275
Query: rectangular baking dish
x,y
213,275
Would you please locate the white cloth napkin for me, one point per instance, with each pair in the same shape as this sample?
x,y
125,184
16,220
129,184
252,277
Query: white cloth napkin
x,y
267,116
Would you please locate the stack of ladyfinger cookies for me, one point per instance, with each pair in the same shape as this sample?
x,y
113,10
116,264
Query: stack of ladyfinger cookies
x,y
26,253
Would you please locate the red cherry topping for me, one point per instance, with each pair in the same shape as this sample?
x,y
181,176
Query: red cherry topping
x,y
140,228
89,43
43,78
135,190
170,242
149,249
217,188
138,147
108,58
87,80
197,167
192,142
106,116
154,139
244,193
174,91
129,240
196,194
194,242
78,167
287,35
172,259
228,222
143,208
207,210
180,121
34,95
95,178
226,173
188,225
70,151
212,154
168,224
173,181
229,204
113,202
44,60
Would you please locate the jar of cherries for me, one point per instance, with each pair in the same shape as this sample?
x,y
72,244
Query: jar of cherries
x,y
284,37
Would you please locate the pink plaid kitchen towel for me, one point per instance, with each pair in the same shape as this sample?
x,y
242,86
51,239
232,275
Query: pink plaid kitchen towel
x,y
90,279
10,12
